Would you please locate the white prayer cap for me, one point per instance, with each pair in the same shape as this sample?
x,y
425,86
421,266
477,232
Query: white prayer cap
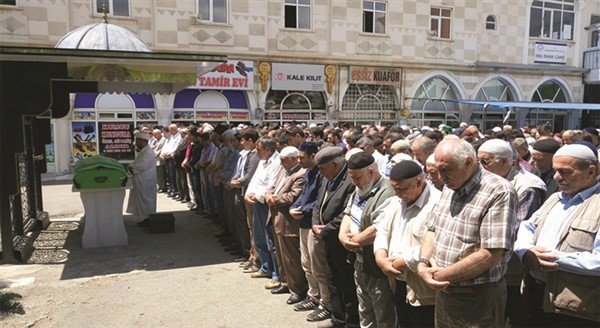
x,y
289,151
430,159
497,147
497,129
577,151
311,125
352,152
142,135
530,140
401,157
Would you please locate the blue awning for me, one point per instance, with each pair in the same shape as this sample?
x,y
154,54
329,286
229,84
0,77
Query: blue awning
x,y
523,104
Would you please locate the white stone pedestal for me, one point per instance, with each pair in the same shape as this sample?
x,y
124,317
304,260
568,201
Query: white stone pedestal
x,y
104,224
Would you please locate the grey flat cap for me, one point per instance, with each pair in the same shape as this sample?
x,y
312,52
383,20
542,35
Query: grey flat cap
x,y
328,154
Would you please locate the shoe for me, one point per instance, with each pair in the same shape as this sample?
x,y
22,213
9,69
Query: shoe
x,y
177,197
280,290
258,273
252,269
319,314
144,223
293,299
273,284
241,259
194,208
184,201
245,264
161,191
307,305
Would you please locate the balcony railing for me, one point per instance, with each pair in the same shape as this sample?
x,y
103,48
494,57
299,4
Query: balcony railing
x,y
591,58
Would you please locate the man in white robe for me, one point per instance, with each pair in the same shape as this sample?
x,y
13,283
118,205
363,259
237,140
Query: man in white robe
x,y
142,198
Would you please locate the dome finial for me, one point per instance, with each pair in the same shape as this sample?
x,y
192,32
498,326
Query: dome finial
x,y
105,16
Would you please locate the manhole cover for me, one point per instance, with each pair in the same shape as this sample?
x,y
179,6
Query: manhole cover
x,y
63,226
48,256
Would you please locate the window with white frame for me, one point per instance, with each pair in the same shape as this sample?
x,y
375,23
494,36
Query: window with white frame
x,y
552,19
374,16
297,14
212,11
440,22
113,7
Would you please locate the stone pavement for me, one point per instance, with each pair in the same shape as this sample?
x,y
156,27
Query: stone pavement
x,y
182,279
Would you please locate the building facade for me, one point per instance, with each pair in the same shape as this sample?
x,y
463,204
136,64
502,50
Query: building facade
x,y
316,61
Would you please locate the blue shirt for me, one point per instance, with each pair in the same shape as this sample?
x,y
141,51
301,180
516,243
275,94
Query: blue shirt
x,y
308,197
585,263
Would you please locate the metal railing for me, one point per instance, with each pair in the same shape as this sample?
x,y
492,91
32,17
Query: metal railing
x,y
591,59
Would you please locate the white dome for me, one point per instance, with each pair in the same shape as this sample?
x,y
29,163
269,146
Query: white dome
x,y
103,36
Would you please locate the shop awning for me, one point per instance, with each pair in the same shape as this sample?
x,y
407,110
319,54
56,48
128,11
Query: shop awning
x,y
521,104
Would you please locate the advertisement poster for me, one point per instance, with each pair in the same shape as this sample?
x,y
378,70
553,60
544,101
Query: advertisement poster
x,y
83,139
233,75
50,152
116,140
239,116
219,116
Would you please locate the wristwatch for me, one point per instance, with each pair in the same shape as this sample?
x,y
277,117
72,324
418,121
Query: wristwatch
x,y
424,260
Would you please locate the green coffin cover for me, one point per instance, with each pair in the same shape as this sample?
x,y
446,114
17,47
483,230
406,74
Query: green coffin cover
x,y
99,172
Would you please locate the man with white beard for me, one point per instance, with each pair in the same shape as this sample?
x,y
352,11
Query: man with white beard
x,y
357,233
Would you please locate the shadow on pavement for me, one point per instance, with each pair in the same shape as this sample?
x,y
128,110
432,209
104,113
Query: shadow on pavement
x,y
192,244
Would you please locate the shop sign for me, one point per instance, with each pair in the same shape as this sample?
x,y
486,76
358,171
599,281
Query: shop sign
x,y
300,77
83,139
233,75
375,75
77,115
550,53
239,116
221,116
116,140
145,115
295,116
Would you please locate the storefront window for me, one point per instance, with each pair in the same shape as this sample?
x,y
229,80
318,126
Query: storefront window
x,y
435,112
300,106
494,90
368,104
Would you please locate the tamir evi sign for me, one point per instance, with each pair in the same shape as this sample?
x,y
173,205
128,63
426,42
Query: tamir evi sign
x,y
550,53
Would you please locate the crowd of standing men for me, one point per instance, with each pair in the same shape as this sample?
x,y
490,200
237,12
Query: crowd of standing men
x,y
397,226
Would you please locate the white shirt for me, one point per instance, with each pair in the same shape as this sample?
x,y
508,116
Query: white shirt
x,y
264,177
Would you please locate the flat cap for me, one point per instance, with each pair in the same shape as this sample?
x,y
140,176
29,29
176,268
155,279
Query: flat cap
x,y
360,160
591,131
328,154
142,135
405,170
546,146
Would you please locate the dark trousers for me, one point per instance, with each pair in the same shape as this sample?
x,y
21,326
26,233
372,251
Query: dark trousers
x,y
171,175
533,295
344,304
195,177
181,179
411,316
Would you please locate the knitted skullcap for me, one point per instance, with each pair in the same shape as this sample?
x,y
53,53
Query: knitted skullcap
x,y
360,160
400,144
430,159
401,157
289,151
577,151
351,152
405,170
497,147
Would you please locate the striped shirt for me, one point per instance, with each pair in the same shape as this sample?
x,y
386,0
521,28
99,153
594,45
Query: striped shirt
x,y
481,214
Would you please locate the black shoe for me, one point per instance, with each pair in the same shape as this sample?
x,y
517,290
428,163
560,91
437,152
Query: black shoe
x,y
293,299
194,208
280,290
307,305
161,191
319,314
144,223
241,259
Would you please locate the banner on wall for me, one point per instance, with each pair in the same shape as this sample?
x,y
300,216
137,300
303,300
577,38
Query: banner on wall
x,y
301,77
375,75
233,75
550,53
116,140
83,139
